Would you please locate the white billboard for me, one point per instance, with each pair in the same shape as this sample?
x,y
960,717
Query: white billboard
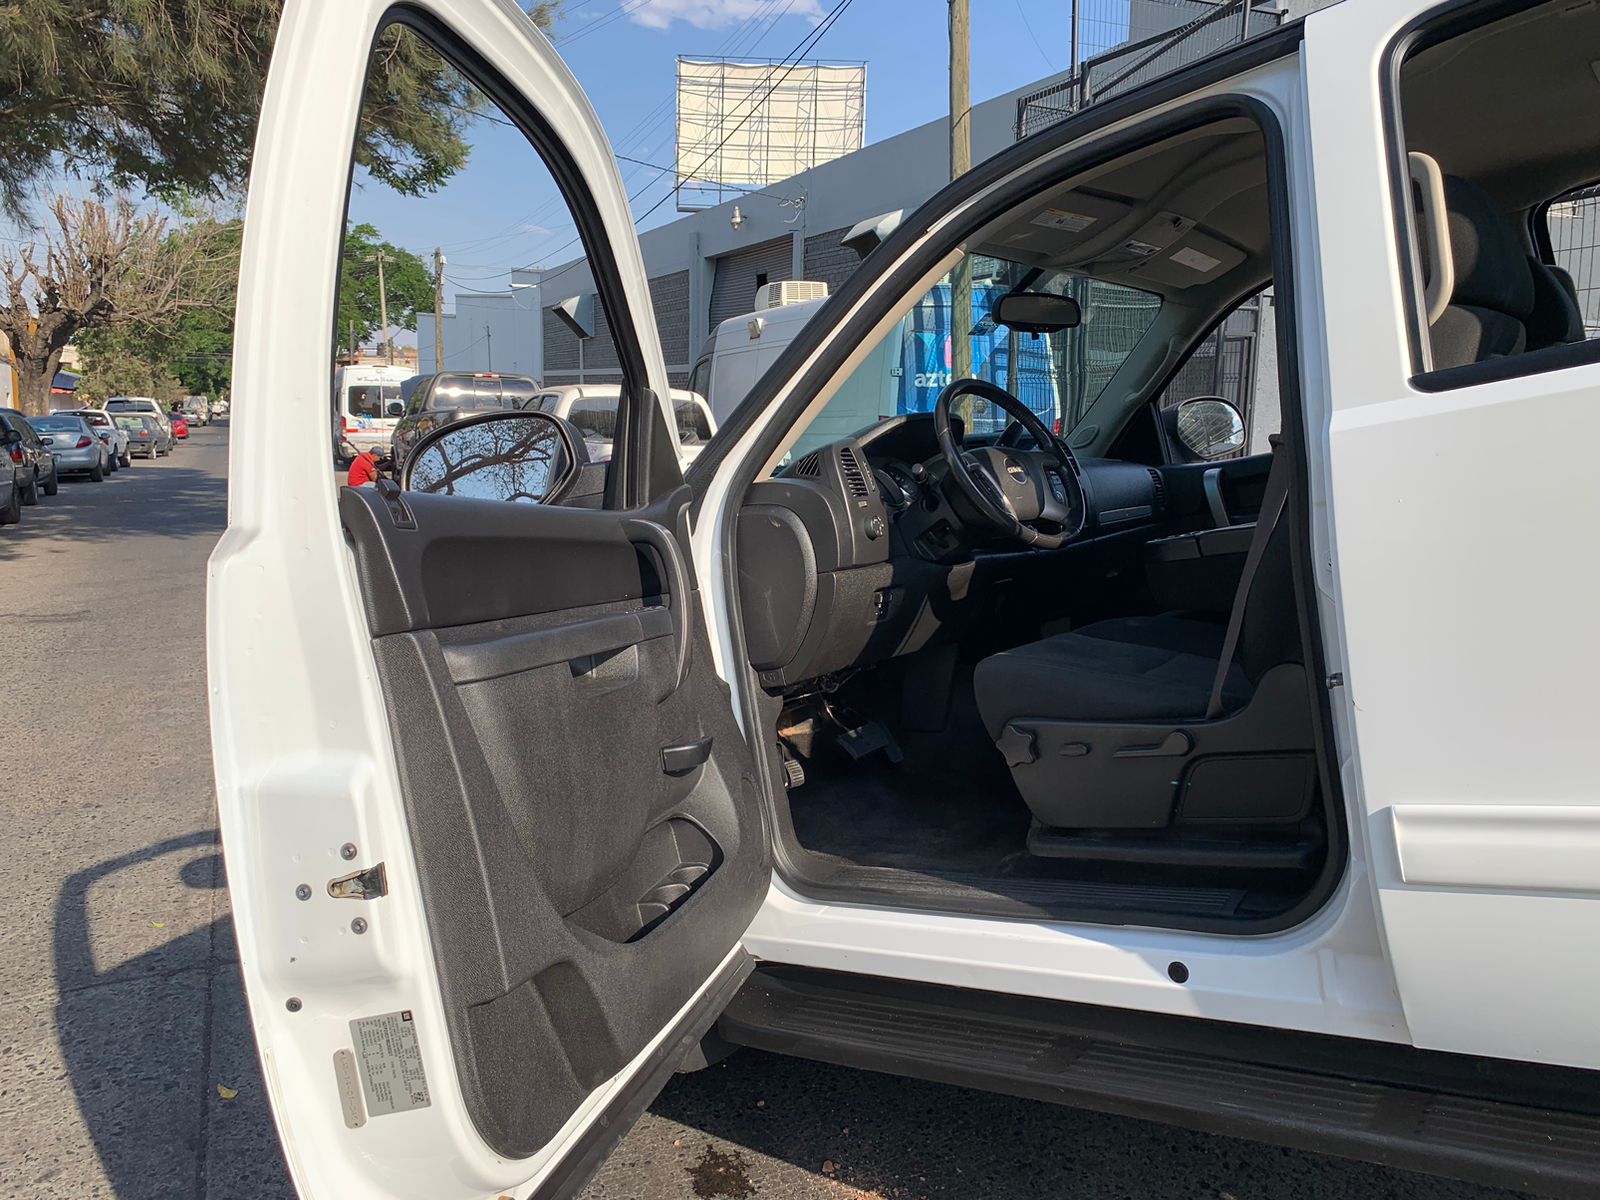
x,y
744,124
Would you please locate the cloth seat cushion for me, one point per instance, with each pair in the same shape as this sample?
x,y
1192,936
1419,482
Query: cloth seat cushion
x,y
1125,669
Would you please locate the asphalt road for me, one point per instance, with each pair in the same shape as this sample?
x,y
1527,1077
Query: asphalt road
x,y
126,1067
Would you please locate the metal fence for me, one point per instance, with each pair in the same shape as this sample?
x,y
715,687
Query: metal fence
x,y
1194,30
1574,225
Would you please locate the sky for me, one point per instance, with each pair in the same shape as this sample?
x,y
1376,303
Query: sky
x,y
501,211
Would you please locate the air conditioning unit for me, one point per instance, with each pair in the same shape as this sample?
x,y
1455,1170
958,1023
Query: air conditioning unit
x,y
789,291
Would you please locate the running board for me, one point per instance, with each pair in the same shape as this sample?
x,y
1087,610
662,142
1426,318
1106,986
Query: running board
x,y
1393,1105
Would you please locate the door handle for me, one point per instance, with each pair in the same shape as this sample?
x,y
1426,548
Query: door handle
x,y
660,539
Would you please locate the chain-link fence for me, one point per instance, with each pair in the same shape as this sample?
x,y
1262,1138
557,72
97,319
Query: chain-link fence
x,y
1129,42
1574,226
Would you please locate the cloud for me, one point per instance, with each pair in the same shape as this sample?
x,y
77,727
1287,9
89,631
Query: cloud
x,y
714,14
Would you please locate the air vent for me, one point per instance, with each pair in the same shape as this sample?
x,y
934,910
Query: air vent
x,y
810,466
1161,490
855,480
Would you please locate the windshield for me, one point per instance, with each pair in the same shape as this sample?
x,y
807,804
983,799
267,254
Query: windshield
x,y
1057,375
136,424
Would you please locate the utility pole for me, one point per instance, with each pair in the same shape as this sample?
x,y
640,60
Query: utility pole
x,y
960,161
1244,21
488,335
438,308
383,306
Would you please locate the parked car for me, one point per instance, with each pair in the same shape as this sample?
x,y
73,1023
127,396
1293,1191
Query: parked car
x,y
10,480
367,405
180,425
1083,756
137,404
432,401
219,408
592,407
197,409
31,459
77,450
146,438
107,430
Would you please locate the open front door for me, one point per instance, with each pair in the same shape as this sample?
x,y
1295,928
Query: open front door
x,y
491,830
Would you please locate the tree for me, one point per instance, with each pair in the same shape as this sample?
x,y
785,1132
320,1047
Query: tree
x,y
106,266
195,349
166,93
406,276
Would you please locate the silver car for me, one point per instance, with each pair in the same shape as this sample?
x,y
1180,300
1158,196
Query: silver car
x,y
77,449
108,431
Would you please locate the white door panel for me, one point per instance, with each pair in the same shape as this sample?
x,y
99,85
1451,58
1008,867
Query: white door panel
x,y
1468,574
303,754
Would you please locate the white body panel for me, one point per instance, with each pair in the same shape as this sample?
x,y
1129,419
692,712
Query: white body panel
x,y
738,359
1468,611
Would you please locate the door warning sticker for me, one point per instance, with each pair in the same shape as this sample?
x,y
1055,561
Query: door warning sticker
x,y
391,1063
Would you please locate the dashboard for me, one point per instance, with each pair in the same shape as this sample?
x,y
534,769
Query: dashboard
x,y
855,551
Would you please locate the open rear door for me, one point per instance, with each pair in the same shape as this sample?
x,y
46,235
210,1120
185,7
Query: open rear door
x,y
491,829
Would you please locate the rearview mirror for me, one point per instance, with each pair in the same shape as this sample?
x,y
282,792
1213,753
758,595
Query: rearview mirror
x,y
394,409
1209,427
1036,312
528,457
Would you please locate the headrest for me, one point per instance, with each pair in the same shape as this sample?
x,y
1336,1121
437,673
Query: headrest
x,y
1491,269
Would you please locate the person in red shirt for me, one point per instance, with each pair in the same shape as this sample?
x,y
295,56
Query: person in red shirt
x,y
366,468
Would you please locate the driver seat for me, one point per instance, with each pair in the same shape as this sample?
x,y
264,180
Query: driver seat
x,y
1106,727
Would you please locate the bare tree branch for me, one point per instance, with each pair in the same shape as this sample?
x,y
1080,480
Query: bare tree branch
x,y
102,266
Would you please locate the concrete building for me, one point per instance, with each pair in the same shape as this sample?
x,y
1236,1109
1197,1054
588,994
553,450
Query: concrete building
x,y
489,331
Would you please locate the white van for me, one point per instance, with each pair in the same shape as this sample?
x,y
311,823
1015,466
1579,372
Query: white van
x,y
740,350
367,403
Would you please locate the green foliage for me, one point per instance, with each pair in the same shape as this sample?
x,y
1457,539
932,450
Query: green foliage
x,y
409,282
166,93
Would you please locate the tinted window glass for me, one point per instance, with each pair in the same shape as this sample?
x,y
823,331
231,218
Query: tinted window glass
x,y
596,418
370,399
58,425
693,427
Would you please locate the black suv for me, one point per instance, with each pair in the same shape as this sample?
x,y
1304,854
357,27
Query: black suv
x,y
27,456
435,400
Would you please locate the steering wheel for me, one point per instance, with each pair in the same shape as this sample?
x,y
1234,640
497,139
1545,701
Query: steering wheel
x,y
1015,491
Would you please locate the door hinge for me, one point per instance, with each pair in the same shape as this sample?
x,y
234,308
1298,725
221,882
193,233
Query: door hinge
x,y
361,885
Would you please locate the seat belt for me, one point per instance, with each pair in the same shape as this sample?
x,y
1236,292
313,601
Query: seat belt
x,y
1272,504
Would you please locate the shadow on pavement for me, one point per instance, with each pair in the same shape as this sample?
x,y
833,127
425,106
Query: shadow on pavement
x,y
146,1043
147,499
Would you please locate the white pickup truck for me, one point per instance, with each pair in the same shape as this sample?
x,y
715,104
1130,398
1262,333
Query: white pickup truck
x,y
1081,756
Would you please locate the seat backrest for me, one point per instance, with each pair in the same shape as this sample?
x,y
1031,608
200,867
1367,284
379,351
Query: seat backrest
x,y
1493,299
1557,318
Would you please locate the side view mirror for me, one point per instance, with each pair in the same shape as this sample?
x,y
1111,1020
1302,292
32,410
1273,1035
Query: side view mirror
x,y
1036,312
1208,427
500,455
44,441
394,409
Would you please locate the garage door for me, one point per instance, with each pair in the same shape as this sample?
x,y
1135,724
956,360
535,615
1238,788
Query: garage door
x,y
733,288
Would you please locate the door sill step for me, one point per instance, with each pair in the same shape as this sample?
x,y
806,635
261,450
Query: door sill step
x,y
1146,1065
